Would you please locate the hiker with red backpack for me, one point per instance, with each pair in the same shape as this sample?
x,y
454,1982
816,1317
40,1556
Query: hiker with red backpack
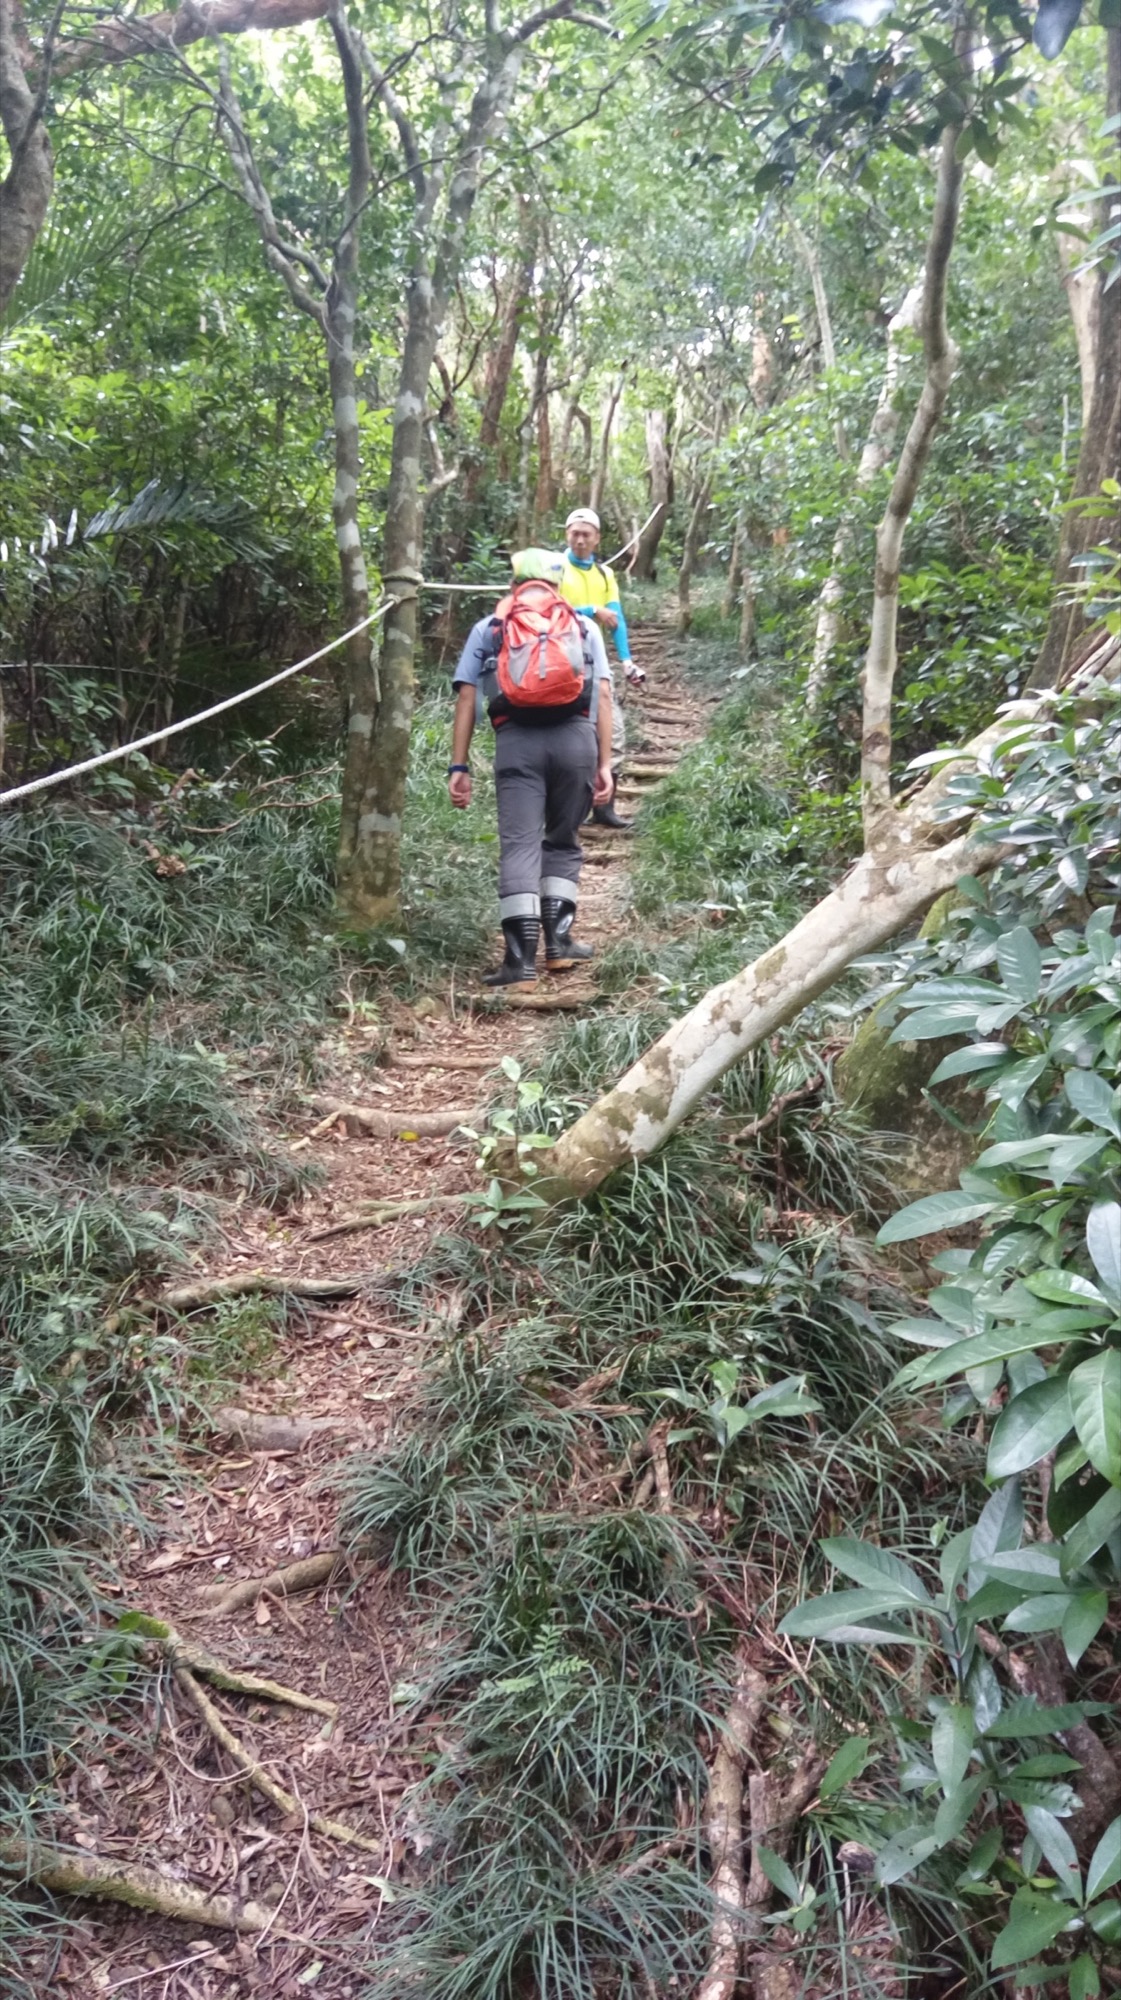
x,y
543,677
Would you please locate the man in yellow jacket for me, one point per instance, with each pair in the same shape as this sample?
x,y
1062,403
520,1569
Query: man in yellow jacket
x,y
590,587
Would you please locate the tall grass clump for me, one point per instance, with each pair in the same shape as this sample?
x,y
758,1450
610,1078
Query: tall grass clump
x,y
582,1619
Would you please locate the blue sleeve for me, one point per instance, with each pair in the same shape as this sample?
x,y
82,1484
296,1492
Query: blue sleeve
x,y
620,635
476,652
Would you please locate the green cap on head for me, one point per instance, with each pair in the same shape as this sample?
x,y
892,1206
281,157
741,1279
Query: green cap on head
x,y
544,564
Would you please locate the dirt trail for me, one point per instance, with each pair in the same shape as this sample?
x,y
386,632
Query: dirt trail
x,y
244,1511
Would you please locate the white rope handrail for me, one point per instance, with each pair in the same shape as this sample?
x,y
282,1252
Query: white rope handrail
x,y
191,722
274,680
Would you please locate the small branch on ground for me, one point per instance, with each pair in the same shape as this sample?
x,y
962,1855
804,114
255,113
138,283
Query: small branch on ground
x,y
380,1212
724,1830
258,1431
211,1291
359,1118
71,1874
775,1111
285,1802
307,1574
443,1062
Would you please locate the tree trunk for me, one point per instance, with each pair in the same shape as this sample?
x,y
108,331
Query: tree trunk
x,y
747,615
25,192
693,534
1099,457
657,473
599,479
381,712
940,355
735,573
501,364
876,454
543,498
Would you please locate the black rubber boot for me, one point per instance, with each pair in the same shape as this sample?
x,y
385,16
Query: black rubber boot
x,y
607,815
519,967
561,949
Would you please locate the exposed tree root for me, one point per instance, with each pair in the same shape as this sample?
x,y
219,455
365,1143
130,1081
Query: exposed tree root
x,y
777,1800
444,1062
380,1212
184,1653
285,1802
564,1001
72,1874
775,1110
724,1831
261,1432
394,1124
307,1574
211,1291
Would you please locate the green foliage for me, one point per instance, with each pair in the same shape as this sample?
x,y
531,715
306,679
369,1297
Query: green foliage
x,y
1025,1329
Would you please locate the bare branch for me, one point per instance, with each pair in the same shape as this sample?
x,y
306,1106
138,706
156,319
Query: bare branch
x,y
406,131
561,10
119,41
285,258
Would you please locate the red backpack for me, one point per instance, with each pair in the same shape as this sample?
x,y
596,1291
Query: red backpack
x,y
540,649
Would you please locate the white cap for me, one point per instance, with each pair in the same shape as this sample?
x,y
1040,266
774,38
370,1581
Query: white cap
x,y
582,517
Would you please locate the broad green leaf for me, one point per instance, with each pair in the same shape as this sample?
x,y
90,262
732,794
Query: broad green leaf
x,y
845,1764
1036,1569
1013,1084
1066,1154
977,1056
1105,1920
1093,1099
1095,1400
925,1332
1096,1527
1064,1288
1049,1764
1082,1621
1083,1979
876,1567
1105,1862
1058,1847
951,1745
953,1561
930,1024
789,1398
1034,1923
982,1855
958,1807
1103,1241
1027,1717
994,1345
821,1617
983,1689
1020,962
903,1854
1039,1614
1030,1426
1000,1524
779,1874
934,1211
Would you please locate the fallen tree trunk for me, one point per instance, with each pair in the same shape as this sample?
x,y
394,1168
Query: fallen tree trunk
x,y
395,1124
725,1833
307,1574
72,1874
877,899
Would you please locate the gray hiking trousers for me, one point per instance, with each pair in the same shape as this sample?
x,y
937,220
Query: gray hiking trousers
x,y
543,778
